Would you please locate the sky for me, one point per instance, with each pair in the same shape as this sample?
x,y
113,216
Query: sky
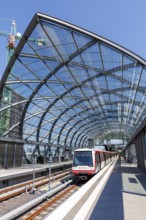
x,y
121,21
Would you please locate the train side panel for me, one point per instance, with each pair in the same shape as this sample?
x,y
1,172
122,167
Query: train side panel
x,y
97,161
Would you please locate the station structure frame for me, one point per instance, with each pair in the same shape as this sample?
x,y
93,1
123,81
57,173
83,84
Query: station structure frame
x,y
65,86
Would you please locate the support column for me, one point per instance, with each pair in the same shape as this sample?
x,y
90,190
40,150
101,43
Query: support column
x,y
140,142
144,150
14,156
45,152
5,156
59,155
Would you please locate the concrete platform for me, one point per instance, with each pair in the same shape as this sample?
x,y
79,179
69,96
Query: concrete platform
x,y
119,195
124,196
16,175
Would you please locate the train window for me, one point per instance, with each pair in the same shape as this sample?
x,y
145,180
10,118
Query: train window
x,y
97,158
101,156
104,156
83,158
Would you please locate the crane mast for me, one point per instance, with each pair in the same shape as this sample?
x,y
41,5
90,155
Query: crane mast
x,y
11,36
11,41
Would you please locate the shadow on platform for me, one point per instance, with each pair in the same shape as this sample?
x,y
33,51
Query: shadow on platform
x,y
110,205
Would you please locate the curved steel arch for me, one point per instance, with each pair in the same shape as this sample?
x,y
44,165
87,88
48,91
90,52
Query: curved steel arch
x,y
74,127
68,91
56,100
90,98
87,131
38,18
80,85
86,110
79,128
97,37
52,73
62,113
141,89
84,134
70,120
93,115
63,95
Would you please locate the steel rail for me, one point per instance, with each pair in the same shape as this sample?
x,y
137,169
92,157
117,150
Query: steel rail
x,y
20,210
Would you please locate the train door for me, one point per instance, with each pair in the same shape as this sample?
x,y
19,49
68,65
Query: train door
x,y
102,160
110,157
98,164
105,158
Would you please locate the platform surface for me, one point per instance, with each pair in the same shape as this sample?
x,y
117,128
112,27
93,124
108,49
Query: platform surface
x,y
124,195
26,169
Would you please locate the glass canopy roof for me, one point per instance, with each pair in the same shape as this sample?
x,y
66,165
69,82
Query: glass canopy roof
x,y
66,86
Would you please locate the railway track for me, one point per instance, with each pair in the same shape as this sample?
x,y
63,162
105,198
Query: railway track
x,y
15,196
9,188
18,189
48,206
43,204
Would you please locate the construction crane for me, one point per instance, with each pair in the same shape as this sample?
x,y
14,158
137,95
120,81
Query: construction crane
x,y
11,40
11,36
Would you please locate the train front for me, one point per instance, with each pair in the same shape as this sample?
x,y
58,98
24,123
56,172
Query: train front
x,y
83,163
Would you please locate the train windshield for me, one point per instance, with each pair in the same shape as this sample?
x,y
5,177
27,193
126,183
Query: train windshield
x,y
83,158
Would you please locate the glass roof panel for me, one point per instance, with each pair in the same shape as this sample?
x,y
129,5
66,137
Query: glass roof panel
x,y
111,58
92,57
79,73
18,71
100,83
113,83
58,90
143,78
128,61
21,89
61,39
81,40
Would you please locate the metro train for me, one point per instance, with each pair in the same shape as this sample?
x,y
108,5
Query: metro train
x,y
87,161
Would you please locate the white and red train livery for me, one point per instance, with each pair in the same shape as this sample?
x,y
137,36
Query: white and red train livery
x,y
87,161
